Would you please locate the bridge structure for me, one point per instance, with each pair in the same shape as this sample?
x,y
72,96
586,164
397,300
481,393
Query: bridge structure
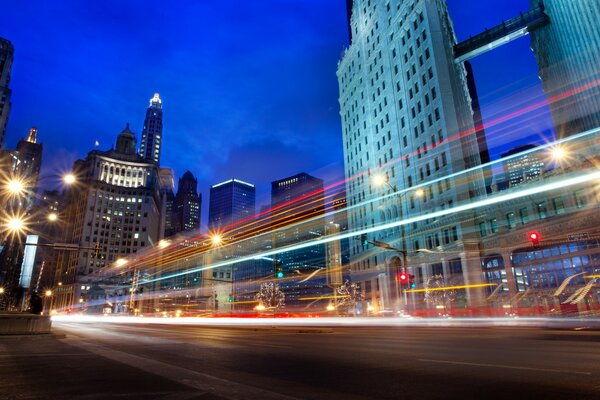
x,y
501,34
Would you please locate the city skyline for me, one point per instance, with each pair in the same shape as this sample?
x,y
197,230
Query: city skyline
x,y
290,137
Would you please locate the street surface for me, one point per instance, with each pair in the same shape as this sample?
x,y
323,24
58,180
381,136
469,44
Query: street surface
x,y
143,361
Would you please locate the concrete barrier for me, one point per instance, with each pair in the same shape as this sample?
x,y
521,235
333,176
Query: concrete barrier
x,y
16,323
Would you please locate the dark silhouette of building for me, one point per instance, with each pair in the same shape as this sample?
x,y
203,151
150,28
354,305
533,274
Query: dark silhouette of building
x,y
151,144
230,201
167,187
30,162
6,59
187,203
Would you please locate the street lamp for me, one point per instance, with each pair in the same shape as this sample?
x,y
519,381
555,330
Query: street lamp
x,y
15,225
69,179
120,262
52,217
16,187
381,180
216,239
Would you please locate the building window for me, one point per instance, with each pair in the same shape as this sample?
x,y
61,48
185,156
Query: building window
x,y
542,211
482,229
559,205
524,215
579,198
510,220
494,225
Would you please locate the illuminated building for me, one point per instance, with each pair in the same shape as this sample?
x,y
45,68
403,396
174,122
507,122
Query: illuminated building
x,y
151,143
114,210
298,215
524,168
6,59
230,201
403,102
166,180
186,205
567,52
30,161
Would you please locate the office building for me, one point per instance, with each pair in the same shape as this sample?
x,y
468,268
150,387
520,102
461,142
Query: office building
x,y
407,117
297,216
567,52
151,144
522,168
30,161
113,211
6,59
186,205
230,201
166,179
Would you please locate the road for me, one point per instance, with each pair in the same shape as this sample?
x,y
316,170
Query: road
x,y
124,361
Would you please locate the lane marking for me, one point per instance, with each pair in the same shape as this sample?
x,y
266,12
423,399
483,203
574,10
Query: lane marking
x,y
560,371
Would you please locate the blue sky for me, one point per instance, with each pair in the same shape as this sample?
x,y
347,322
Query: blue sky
x,y
249,88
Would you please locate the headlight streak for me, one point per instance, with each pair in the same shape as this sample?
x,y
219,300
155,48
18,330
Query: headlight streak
x,y
561,184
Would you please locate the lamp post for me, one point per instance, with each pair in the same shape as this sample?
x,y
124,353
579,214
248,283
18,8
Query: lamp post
x,y
381,180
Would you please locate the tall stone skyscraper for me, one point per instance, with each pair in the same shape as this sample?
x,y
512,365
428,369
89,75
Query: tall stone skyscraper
x,y
6,60
230,201
113,211
166,181
406,116
151,145
567,52
187,203
30,162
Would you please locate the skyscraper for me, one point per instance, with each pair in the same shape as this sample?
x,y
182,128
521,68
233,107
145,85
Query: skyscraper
x,y
113,212
6,59
230,201
151,145
297,216
187,203
406,116
522,168
166,181
567,52
30,161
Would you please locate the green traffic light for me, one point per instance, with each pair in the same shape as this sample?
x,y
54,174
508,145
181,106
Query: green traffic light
x,y
280,274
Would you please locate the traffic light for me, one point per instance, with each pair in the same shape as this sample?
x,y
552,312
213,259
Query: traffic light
x,y
403,277
279,269
195,279
534,238
363,239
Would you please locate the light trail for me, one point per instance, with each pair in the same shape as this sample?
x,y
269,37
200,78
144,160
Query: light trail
x,y
561,184
444,288
269,322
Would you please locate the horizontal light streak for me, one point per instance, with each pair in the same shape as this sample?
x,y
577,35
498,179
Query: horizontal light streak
x,y
444,288
591,276
560,184
323,297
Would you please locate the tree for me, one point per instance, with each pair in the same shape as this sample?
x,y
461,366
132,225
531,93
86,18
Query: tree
x,y
350,294
436,292
270,296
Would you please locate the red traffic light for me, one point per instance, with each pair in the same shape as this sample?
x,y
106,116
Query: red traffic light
x,y
534,237
403,277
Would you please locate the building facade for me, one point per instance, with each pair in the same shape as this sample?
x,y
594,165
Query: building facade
x,y
230,201
6,59
151,143
567,52
113,211
187,205
297,215
406,115
30,162
166,179
524,168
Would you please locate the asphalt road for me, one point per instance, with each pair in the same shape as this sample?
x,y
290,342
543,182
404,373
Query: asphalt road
x,y
120,361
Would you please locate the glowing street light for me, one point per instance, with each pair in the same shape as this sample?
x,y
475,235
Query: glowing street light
x,y
52,217
558,153
330,307
15,225
216,239
120,262
1,290
15,186
163,243
48,293
260,307
379,180
69,179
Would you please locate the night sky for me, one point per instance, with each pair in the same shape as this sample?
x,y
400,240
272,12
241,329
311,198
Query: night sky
x,y
249,88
